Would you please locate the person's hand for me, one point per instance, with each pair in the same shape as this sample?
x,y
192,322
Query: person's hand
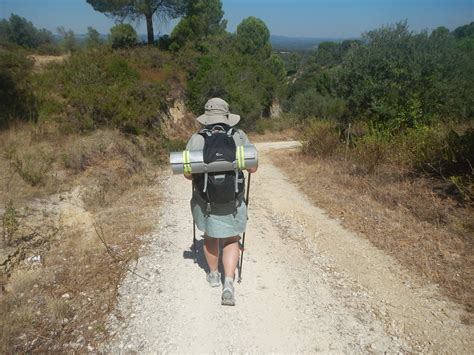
x,y
188,176
252,170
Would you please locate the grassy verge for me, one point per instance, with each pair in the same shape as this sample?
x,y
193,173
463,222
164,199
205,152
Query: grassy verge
x,y
73,209
427,232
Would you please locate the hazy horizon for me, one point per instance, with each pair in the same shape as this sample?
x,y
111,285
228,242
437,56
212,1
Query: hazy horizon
x,y
299,18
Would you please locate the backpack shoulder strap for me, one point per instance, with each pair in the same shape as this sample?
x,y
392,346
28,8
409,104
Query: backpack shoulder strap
x,y
231,132
205,132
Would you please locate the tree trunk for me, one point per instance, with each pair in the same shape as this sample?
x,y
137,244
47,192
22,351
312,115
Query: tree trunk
x,y
149,28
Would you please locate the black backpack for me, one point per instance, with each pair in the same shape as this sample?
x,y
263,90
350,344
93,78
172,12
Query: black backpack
x,y
219,145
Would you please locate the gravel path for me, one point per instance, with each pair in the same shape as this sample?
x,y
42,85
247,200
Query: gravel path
x,y
308,286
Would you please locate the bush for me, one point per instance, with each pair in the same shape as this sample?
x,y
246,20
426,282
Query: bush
x,y
321,138
279,124
17,98
32,166
68,40
312,104
372,151
102,88
10,223
89,150
123,36
448,154
416,148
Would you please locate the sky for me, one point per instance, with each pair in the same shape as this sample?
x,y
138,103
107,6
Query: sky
x,y
297,18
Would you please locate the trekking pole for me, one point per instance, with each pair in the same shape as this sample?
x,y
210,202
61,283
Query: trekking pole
x,y
239,280
194,230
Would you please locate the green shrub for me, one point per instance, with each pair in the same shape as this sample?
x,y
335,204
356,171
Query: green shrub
x,y
174,145
10,223
321,138
118,69
372,151
416,148
17,98
263,125
123,36
266,124
68,40
98,88
313,104
459,152
441,152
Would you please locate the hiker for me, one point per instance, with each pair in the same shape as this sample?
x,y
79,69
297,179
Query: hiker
x,y
226,219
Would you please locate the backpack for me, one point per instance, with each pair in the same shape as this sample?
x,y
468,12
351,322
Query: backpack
x,y
219,187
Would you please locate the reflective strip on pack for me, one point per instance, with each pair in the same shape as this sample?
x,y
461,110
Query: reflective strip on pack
x,y
240,157
186,162
239,164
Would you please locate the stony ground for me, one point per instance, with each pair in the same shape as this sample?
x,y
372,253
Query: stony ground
x,y
309,285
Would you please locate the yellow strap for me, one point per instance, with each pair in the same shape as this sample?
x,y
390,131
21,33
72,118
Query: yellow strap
x,y
242,157
239,164
189,161
186,162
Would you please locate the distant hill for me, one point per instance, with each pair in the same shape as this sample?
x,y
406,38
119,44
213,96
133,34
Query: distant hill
x,y
283,43
279,43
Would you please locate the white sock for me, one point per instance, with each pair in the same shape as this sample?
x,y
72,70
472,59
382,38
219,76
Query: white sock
x,y
228,281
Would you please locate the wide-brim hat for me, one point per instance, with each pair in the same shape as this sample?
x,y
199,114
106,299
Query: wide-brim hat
x,y
217,111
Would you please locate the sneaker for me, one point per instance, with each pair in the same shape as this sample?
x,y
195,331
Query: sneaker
x,y
214,279
228,298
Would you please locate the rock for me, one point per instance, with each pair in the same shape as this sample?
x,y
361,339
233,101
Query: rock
x,y
66,296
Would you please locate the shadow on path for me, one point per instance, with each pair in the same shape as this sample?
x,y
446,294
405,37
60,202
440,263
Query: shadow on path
x,y
197,256
200,259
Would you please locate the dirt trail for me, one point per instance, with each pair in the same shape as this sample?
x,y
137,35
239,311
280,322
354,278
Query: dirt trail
x,y
309,285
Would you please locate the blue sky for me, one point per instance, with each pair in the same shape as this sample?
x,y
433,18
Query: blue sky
x,y
302,18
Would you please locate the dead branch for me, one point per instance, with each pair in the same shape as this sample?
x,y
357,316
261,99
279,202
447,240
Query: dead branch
x,y
116,256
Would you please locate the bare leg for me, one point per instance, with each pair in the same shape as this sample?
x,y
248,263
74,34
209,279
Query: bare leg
x,y
230,256
211,252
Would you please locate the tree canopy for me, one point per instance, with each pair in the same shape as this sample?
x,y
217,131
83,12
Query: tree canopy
x,y
253,37
393,77
239,68
93,39
22,32
136,9
122,35
203,19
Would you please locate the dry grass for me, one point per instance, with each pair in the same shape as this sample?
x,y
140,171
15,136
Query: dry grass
x,y
59,280
43,60
404,217
288,134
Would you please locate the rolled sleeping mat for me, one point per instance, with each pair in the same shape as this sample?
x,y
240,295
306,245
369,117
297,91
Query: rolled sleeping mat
x,y
193,161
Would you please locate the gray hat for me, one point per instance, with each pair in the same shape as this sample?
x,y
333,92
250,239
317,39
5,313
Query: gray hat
x,y
217,111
